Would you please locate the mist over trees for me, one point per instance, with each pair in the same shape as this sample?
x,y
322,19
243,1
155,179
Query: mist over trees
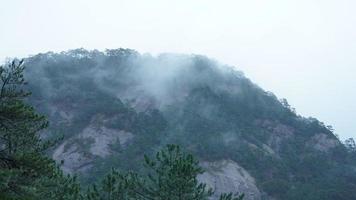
x,y
136,105
26,172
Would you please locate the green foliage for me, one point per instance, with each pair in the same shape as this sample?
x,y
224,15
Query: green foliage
x,y
231,196
25,173
58,187
171,175
115,186
213,112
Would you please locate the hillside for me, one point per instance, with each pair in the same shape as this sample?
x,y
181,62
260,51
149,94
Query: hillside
x,y
112,107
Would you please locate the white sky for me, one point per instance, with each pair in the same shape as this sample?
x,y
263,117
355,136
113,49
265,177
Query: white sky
x,y
303,50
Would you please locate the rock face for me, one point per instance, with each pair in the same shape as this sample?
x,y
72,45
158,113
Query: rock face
x,y
115,106
78,153
226,176
322,142
102,137
72,159
280,133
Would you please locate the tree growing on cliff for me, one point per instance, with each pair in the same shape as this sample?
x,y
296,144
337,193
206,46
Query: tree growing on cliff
x,y
170,175
27,173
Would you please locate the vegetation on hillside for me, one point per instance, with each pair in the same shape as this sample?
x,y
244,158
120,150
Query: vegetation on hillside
x,y
27,173
208,109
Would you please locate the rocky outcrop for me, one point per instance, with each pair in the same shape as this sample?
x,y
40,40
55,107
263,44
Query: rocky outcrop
x,y
72,158
278,133
103,137
226,176
322,142
77,154
98,99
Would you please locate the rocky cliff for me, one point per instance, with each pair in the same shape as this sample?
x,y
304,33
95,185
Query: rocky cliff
x,y
112,107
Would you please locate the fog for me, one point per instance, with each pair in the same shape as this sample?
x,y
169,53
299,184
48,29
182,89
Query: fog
x,y
300,50
140,80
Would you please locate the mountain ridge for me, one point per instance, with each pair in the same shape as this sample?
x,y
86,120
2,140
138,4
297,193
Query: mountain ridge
x,y
116,105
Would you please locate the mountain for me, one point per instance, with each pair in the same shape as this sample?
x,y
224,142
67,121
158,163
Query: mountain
x,y
112,107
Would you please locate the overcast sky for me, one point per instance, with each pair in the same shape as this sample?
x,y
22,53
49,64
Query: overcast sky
x,y
304,51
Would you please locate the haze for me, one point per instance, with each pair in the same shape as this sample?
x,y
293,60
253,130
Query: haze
x,y
303,51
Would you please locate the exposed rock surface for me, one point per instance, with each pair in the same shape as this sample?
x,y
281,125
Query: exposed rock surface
x,y
115,106
323,142
226,176
72,159
77,154
102,137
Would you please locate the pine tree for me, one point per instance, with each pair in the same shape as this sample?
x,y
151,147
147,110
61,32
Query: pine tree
x,y
114,186
25,171
231,196
171,175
